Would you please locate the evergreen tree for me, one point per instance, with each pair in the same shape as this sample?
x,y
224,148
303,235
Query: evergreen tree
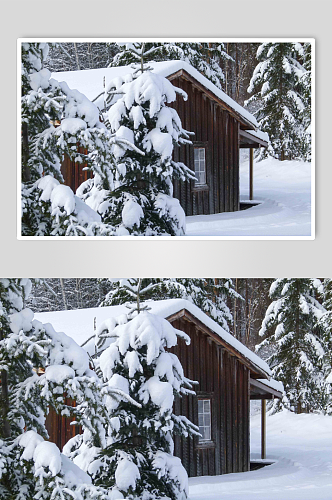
x,y
207,58
276,83
39,368
325,323
139,201
54,120
138,461
290,327
306,97
213,296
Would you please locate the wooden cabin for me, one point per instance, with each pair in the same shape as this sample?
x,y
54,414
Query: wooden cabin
x,y
220,126
228,376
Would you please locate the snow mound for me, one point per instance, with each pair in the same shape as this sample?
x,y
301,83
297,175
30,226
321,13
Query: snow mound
x,y
126,475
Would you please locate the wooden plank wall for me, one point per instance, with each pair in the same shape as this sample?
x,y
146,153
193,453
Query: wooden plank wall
x,y
59,428
223,378
219,131
73,173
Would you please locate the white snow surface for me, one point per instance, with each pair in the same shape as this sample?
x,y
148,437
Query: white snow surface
x,y
79,324
46,454
283,191
126,474
63,197
299,447
90,82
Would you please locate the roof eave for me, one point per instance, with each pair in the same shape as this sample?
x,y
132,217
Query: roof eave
x,y
263,391
252,141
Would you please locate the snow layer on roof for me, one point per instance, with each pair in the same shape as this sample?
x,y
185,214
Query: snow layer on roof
x,y
274,384
258,133
80,323
90,82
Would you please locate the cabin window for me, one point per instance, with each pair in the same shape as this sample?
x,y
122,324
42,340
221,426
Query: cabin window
x,y
200,166
204,419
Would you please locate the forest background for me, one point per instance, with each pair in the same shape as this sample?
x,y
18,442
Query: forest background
x,y
57,294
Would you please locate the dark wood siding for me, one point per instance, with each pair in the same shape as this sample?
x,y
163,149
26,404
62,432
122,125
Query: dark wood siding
x,y
218,131
224,379
73,172
59,428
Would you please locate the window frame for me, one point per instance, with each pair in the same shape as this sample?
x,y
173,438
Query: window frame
x,y
201,162
205,443
201,145
204,413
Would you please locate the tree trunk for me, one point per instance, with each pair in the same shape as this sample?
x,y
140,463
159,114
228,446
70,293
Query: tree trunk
x,y
76,56
26,174
63,292
4,397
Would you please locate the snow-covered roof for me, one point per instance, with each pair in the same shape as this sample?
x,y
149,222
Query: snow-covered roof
x,y
259,134
90,82
274,384
80,324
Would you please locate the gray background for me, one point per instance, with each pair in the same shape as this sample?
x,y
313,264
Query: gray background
x,y
213,19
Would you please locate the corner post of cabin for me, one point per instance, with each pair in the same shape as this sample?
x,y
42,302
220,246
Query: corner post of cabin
x,y
251,174
263,429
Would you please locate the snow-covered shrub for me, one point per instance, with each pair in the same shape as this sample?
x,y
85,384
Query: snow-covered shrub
x,y
138,460
290,327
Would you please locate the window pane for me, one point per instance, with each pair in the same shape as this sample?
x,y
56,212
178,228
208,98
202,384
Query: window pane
x,y
206,433
199,165
204,419
207,419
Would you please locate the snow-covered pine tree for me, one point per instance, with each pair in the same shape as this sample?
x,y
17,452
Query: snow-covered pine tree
x,y
39,368
325,323
207,58
54,120
213,296
276,84
306,95
141,201
294,342
138,461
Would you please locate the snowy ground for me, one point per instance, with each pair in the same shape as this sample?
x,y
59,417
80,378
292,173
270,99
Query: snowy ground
x,y
300,445
284,188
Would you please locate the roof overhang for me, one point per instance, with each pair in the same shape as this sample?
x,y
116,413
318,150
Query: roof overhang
x,y
184,74
259,390
247,140
255,371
